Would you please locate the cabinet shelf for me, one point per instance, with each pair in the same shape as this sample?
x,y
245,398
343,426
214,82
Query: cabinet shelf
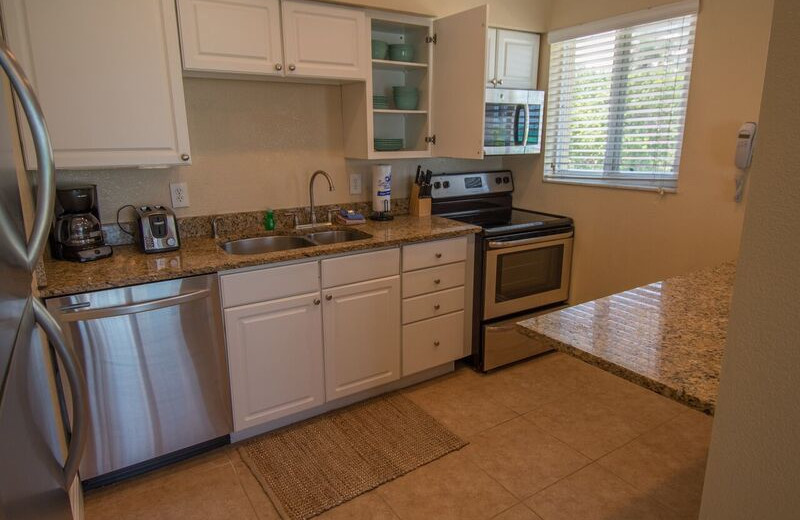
x,y
396,111
397,65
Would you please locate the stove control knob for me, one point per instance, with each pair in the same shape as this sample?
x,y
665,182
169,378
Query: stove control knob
x,y
498,180
437,185
446,184
506,180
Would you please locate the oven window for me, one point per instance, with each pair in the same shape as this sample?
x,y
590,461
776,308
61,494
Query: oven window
x,y
530,272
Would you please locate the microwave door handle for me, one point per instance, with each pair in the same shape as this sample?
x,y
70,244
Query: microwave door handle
x,y
517,110
527,124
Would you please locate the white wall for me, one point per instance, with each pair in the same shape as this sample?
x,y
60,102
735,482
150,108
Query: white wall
x,y
754,461
628,238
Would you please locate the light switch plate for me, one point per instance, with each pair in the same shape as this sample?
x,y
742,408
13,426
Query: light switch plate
x,y
179,192
355,183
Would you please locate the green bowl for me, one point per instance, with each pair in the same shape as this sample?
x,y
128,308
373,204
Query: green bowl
x,y
401,52
405,91
406,102
379,49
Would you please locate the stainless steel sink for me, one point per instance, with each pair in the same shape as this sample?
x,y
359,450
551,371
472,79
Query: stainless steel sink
x,y
334,236
252,246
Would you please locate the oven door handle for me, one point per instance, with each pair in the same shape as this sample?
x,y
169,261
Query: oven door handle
x,y
497,244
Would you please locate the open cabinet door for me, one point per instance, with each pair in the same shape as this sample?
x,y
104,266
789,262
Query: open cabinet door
x,y
458,83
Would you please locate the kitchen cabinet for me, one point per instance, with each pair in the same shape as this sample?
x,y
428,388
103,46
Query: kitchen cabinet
x,y
435,301
325,41
513,59
276,359
447,68
108,77
293,38
361,336
235,36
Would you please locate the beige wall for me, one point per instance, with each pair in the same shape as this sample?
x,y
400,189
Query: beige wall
x,y
627,238
254,145
754,461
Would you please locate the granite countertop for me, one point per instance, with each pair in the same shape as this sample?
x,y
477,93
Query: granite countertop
x,y
201,255
667,336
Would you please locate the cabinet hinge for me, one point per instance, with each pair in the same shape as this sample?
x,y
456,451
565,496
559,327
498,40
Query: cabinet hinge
x,y
431,39
431,139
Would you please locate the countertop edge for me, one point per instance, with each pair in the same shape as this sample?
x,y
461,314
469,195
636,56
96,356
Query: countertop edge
x,y
55,291
651,384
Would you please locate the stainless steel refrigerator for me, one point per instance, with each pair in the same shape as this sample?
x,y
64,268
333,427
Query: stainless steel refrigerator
x,y
39,450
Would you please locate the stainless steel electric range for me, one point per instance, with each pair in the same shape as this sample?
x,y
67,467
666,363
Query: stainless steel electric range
x,y
522,261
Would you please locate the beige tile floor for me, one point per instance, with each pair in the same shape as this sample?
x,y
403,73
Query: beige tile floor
x,y
551,438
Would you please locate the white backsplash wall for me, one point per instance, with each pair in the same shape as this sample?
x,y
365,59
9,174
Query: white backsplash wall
x,y
255,145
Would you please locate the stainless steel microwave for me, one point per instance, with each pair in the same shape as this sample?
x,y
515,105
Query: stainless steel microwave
x,y
513,122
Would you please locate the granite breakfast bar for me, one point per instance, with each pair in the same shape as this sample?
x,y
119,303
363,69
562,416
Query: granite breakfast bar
x,y
667,336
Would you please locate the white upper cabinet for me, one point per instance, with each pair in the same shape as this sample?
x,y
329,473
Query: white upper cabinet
x,y
458,84
108,77
237,36
326,41
514,59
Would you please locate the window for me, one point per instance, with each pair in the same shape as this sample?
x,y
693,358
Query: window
x,y
617,101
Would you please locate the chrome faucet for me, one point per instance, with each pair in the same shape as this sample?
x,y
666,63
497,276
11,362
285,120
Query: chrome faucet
x,y
313,219
214,230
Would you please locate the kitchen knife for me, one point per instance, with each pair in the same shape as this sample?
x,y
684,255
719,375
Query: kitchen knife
x,y
419,173
426,191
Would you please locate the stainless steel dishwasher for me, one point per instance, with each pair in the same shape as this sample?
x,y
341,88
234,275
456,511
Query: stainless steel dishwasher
x,y
155,364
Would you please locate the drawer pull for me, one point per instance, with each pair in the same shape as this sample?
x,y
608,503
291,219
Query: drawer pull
x,y
438,255
436,343
316,301
329,297
436,307
437,281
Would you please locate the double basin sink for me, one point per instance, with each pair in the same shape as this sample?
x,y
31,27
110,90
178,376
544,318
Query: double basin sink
x,y
252,246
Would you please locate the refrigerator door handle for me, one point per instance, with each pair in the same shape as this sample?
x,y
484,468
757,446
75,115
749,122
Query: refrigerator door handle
x,y
77,384
46,186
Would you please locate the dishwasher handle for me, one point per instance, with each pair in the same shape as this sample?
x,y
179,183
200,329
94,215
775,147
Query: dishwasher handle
x,y
74,312
77,387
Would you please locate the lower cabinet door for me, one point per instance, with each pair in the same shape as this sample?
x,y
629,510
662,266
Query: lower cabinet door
x,y
276,358
362,336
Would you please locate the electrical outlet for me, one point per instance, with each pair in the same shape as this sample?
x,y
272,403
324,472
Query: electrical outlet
x,y
355,183
179,192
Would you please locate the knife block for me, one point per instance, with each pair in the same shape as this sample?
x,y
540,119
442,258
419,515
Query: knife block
x,y
417,206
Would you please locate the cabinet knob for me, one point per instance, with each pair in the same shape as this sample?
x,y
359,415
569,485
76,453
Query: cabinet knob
x,y
436,343
292,67
316,301
437,281
438,255
493,81
436,307
329,297
499,81
184,157
278,66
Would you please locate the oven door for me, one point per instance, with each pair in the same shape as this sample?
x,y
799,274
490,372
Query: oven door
x,y
525,273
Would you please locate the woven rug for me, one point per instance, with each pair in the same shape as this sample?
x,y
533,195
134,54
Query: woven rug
x,y
310,467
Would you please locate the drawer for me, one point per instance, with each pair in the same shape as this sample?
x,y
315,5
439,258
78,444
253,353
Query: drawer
x,y
269,283
433,342
433,304
433,279
430,254
360,268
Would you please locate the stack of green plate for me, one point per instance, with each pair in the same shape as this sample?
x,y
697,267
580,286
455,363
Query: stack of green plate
x,y
380,102
388,145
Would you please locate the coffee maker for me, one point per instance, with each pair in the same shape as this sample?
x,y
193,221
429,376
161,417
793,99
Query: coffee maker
x,y
76,233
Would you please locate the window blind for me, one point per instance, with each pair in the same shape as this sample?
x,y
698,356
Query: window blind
x,y
617,104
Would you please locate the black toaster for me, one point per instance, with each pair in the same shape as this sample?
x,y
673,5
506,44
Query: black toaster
x,y
157,229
